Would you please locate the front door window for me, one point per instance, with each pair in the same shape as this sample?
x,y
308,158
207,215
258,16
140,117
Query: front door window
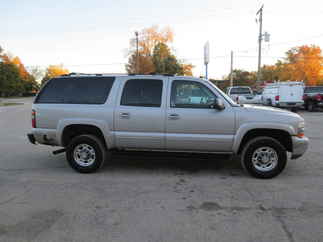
x,y
190,94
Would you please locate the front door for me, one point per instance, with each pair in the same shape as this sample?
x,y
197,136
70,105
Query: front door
x,y
192,124
140,114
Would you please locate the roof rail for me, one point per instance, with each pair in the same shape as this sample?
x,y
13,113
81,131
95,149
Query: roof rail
x,y
87,74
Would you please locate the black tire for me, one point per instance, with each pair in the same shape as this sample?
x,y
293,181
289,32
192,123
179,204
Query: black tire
x,y
311,106
96,144
269,102
257,143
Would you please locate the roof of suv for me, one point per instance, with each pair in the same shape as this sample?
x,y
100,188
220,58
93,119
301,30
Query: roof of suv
x,y
73,74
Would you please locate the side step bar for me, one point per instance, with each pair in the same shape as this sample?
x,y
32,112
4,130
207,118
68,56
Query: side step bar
x,y
56,152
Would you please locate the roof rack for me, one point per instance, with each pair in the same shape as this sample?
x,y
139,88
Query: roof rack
x,y
150,74
91,74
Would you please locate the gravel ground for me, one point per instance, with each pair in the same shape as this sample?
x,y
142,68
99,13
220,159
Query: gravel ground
x,y
154,197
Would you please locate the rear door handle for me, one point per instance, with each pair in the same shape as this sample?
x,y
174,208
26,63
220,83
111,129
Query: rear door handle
x,y
173,116
124,115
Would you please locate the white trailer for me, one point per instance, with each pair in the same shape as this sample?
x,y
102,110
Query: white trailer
x,y
284,94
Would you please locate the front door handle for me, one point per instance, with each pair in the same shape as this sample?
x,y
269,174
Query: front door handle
x,y
173,116
125,115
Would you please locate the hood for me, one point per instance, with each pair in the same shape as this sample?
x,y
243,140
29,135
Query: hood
x,y
266,109
268,115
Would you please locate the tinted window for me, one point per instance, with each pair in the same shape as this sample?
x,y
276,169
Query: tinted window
x,y
240,90
142,92
189,94
76,90
314,89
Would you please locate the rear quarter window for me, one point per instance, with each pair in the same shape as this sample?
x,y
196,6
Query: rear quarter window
x,y
76,90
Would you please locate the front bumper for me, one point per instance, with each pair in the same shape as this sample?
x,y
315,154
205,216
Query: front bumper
x,y
300,146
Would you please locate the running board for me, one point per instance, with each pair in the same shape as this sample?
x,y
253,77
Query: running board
x,y
56,152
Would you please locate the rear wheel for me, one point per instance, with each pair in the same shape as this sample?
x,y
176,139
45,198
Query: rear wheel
x,y
86,153
264,157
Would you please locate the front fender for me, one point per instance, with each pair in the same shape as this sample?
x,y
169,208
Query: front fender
x,y
245,128
101,124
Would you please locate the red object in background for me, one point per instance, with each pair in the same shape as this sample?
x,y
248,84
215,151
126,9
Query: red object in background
x,y
277,98
33,118
319,97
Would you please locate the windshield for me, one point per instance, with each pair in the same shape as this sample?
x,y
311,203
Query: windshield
x,y
225,96
240,90
314,89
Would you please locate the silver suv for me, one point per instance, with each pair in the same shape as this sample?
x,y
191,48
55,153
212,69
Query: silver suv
x,y
91,115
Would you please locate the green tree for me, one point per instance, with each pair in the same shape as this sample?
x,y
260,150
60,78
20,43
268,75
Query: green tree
x,y
164,61
10,81
242,77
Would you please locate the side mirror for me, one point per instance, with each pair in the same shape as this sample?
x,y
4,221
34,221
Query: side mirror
x,y
218,104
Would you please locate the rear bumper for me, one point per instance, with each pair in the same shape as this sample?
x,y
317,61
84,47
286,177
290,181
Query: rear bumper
x,y
31,138
300,146
290,104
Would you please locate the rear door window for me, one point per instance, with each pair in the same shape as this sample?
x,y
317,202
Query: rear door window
x,y
142,93
76,90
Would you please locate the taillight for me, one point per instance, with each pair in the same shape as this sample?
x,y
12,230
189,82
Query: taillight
x,y
318,97
304,96
33,118
277,98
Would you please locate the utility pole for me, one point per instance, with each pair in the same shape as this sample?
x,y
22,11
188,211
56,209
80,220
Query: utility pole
x,y
137,53
259,42
231,70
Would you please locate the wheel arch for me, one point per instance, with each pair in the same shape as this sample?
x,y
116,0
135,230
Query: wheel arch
x,y
68,129
283,134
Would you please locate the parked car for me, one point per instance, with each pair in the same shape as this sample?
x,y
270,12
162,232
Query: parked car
x,y
90,116
284,95
257,99
313,98
241,94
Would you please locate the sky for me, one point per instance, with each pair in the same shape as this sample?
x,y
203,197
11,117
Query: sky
x,y
93,36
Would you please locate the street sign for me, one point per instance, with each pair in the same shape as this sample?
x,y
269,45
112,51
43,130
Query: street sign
x,y
207,53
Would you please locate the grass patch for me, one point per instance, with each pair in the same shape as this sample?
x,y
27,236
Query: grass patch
x,y
9,104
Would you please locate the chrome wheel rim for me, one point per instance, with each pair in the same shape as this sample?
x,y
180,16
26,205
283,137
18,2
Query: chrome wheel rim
x,y
264,159
84,155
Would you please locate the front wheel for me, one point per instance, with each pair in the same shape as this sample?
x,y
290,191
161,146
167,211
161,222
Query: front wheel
x,y
86,153
264,157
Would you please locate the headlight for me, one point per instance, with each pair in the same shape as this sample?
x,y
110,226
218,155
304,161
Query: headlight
x,y
301,129
301,124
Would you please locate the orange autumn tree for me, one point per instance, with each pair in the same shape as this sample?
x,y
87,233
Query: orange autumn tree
x,y
151,58
22,70
302,63
54,71
148,38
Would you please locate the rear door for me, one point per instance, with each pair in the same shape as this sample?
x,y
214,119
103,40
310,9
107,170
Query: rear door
x,y
140,113
291,93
